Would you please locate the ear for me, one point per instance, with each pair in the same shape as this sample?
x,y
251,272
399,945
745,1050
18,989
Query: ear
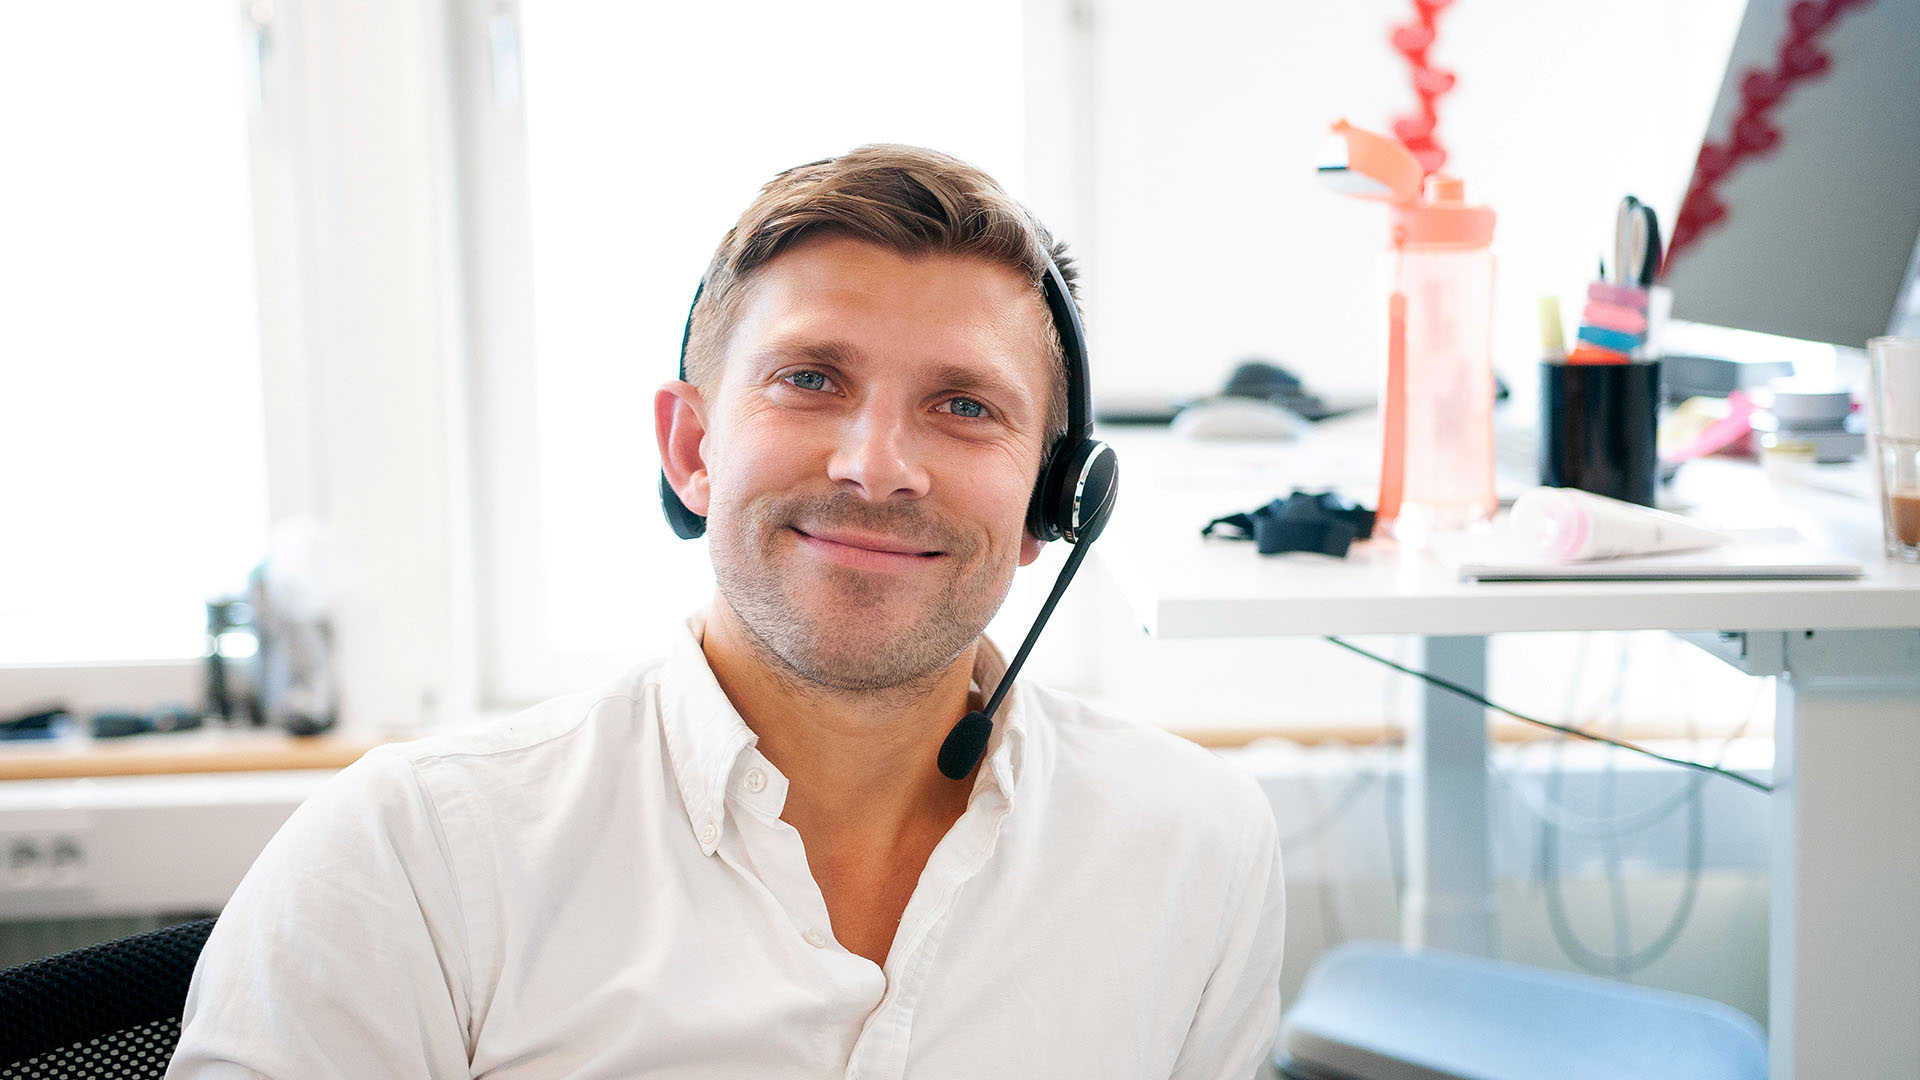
x,y
680,426
1030,546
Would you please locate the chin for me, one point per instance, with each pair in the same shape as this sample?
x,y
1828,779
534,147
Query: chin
x,y
832,640
866,647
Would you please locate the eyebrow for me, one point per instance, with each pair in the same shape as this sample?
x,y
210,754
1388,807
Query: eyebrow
x,y
987,384
830,353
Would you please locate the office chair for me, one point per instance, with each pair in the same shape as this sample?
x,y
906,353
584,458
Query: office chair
x,y
108,1010
1372,1011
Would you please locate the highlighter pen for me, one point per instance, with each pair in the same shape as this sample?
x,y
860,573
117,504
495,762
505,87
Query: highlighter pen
x,y
1553,339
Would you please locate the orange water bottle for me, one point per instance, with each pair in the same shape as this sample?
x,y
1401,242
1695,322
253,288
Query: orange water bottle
x,y
1436,401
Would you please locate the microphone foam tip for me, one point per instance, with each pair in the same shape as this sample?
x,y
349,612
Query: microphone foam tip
x,y
964,746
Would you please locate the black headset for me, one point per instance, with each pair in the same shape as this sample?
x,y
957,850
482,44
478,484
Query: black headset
x,y
1072,500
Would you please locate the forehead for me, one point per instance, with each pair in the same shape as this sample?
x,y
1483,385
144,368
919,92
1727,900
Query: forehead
x,y
940,310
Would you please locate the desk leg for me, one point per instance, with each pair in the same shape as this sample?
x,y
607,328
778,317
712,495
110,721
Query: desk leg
x,y
1844,991
1449,899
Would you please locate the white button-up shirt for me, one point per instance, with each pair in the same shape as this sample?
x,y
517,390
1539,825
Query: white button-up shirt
x,y
603,887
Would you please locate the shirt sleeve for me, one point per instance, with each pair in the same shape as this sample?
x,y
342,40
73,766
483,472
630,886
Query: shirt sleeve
x,y
343,951
1239,1015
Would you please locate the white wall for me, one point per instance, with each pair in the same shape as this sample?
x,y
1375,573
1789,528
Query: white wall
x,y
1216,241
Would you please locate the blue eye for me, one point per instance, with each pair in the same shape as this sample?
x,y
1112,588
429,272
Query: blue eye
x,y
967,407
807,380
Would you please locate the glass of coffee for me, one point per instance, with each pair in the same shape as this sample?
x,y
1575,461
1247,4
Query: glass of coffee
x,y
1893,439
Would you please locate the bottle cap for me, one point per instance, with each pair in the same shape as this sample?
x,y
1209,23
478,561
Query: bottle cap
x,y
1443,218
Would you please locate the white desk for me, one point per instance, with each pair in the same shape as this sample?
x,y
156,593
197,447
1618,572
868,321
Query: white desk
x,y
1845,952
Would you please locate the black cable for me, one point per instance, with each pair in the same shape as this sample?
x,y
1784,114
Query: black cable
x,y
1550,725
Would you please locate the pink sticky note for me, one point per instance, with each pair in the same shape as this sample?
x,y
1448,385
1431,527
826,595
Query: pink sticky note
x,y
1614,317
1626,296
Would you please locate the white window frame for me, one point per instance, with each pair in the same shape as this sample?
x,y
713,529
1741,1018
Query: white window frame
x,y
351,151
365,361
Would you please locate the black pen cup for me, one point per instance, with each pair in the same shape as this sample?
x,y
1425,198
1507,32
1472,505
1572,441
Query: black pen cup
x,y
1598,428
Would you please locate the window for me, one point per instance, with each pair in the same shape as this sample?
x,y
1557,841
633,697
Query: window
x,y
132,469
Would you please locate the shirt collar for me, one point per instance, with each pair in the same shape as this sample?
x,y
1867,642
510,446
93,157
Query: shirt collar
x,y
1006,747
707,739
705,734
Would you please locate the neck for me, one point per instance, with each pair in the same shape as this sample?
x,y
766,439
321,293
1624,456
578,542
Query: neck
x,y
857,762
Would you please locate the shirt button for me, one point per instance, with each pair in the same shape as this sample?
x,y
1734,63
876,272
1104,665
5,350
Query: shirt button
x,y
815,938
756,781
708,833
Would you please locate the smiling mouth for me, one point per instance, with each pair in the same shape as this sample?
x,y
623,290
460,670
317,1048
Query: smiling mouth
x,y
885,545
866,552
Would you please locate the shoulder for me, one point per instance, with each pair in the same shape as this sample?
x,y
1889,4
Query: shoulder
x,y
1146,779
528,765
536,740
610,710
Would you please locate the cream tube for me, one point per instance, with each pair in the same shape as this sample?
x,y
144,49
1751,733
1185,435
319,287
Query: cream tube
x,y
1568,525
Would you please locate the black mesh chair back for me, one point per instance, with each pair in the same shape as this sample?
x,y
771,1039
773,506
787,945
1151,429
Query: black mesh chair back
x,y
108,1010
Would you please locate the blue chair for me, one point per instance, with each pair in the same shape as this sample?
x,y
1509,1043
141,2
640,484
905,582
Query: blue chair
x,y
1372,1011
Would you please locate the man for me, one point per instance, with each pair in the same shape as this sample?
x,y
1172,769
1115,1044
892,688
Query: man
x,y
741,860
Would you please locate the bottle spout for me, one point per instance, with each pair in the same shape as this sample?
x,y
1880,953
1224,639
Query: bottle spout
x,y
1368,165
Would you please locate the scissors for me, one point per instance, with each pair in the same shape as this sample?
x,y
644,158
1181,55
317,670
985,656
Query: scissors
x,y
1636,243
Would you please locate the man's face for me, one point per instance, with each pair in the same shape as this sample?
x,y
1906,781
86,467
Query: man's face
x,y
871,449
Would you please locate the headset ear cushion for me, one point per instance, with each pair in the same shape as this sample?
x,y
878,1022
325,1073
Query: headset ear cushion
x,y
1082,481
1040,521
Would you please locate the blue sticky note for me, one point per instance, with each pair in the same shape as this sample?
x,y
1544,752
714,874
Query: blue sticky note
x,y
1610,339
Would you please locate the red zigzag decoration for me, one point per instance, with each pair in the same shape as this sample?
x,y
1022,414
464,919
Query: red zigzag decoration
x,y
1416,130
1800,59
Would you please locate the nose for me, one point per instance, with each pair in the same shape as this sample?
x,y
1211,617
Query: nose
x,y
879,454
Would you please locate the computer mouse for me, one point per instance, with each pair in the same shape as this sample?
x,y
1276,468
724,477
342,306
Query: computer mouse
x,y
1237,418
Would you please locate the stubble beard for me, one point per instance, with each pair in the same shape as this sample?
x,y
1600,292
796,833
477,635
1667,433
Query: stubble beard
x,y
838,629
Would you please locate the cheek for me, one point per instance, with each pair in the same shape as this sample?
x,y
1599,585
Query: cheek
x,y
750,457
1008,491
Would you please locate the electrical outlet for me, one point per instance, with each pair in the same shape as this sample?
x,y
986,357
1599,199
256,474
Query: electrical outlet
x,y
25,858
32,861
66,863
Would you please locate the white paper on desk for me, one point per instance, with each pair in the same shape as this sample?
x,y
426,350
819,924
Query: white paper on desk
x,y
1748,555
